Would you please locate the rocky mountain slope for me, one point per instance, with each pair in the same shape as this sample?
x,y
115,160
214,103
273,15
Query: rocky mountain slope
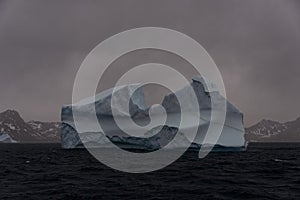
x,y
14,128
272,131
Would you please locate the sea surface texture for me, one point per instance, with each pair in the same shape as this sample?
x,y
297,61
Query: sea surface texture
x,y
45,171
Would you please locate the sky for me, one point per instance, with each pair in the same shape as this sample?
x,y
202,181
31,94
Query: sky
x,y
255,44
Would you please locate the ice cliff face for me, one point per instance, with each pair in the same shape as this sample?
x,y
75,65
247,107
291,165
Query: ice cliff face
x,y
102,102
159,135
233,131
156,138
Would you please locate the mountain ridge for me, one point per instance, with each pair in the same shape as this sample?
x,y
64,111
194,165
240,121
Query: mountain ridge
x,y
273,131
14,128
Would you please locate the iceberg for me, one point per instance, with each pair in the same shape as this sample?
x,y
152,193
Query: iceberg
x,y
5,138
158,131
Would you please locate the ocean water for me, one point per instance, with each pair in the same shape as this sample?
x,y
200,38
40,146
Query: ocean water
x,y
45,171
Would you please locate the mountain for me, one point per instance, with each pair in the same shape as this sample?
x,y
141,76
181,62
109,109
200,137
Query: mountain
x,y
14,128
273,131
48,130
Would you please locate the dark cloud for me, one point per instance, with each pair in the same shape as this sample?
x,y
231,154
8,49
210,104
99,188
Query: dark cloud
x,y
255,43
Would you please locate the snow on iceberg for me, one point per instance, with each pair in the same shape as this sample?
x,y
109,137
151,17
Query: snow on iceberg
x,y
160,135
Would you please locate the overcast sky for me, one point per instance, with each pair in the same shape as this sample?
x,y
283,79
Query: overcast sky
x,y
255,44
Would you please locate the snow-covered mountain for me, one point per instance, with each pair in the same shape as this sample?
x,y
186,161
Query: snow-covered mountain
x,y
273,131
14,128
48,130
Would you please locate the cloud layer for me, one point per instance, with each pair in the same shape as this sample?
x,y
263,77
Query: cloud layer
x,y
255,44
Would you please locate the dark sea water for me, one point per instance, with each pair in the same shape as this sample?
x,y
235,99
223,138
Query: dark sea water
x,y
45,171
